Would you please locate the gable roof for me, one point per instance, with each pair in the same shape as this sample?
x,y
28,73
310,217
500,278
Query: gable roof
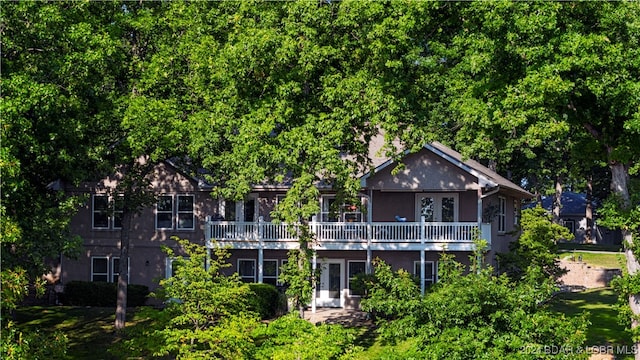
x,y
487,178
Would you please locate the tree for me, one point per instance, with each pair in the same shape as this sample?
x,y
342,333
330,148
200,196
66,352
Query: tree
x,y
472,315
536,247
60,65
521,76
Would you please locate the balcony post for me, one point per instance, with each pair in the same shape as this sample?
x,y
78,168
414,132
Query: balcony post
x,y
260,251
369,230
207,240
422,254
314,266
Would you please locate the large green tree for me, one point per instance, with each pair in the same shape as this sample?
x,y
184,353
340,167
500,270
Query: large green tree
x,y
60,64
527,76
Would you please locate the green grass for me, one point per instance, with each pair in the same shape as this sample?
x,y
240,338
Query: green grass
x,y
90,329
599,303
607,260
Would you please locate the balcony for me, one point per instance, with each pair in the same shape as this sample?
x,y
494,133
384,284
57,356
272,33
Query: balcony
x,y
430,236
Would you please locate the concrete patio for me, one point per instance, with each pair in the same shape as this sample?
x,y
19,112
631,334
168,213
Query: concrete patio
x,y
344,317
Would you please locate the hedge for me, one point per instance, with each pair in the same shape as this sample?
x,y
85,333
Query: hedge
x,y
267,300
86,293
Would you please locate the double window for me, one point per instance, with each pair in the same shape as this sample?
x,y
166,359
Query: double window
x,y
330,211
175,212
106,211
105,268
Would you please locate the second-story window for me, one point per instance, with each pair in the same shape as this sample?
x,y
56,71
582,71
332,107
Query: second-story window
x,y
185,212
164,212
502,214
100,212
106,215
330,212
175,213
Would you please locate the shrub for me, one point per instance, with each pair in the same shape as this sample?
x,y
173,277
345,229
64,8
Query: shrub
x,y
16,344
85,293
266,300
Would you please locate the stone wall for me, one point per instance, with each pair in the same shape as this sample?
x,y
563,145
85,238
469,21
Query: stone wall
x,y
582,275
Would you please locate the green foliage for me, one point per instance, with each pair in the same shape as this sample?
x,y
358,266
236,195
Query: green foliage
x,y
290,337
298,274
88,293
21,345
536,247
266,300
206,312
473,316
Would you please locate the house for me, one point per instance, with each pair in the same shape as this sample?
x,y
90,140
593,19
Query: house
x,y
573,216
439,202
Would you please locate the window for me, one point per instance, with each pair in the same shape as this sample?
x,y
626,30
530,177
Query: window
x,y
570,224
100,268
115,269
355,268
105,268
429,272
185,212
103,217
164,212
118,210
172,264
516,212
329,212
270,272
502,214
100,212
247,270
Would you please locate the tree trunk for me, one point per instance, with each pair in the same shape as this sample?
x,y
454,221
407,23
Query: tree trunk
x,y
557,200
620,186
123,278
588,233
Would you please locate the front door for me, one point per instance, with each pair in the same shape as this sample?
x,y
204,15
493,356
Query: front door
x,y
329,288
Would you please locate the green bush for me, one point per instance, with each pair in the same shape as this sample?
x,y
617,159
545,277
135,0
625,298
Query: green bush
x,y
266,301
85,293
18,345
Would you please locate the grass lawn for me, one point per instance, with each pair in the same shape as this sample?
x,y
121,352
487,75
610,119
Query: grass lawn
x,y
607,260
604,328
588,247
89,329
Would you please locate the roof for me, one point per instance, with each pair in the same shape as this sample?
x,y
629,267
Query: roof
x,y
486,177
572,203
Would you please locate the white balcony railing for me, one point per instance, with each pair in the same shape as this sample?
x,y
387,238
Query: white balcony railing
x,y
343,233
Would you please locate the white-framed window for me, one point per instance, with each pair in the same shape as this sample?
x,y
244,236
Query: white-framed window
x,y
354,268
185,212
430,272
173,263
437,207
164,212
343,213
118,210
175,213
247,270
270,272
100,211
502,214
100,268
105,268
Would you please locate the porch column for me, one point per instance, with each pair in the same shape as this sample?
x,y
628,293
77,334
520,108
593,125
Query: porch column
x,y
479,216
207,240
368,268
422,255
260,251
314,266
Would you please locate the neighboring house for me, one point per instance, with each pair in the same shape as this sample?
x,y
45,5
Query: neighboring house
x,y
438,202
573,216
